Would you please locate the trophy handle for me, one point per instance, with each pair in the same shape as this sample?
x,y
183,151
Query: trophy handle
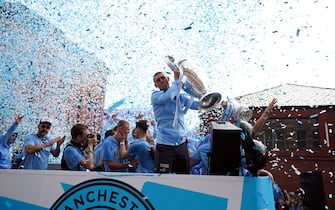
x,y
169,60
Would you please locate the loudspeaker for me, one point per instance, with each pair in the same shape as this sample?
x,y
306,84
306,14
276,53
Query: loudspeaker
x,y
225,156
314,197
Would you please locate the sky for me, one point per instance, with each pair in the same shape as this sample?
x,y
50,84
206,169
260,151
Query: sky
x,y
243,46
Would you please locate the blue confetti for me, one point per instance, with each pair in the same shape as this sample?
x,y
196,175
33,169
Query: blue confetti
x,y
116,104
188,28
59,50
298,32
299,121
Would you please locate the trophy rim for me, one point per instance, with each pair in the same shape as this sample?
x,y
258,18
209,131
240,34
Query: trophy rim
x,y
217,96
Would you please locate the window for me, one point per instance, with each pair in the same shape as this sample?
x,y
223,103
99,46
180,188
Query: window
x,y
291,134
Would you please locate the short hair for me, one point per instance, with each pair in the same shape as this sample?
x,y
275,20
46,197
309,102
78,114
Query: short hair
x,y
109,133
122,123
159,72
143,125
78,130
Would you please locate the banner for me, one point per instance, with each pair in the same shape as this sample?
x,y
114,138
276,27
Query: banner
x,y
37,190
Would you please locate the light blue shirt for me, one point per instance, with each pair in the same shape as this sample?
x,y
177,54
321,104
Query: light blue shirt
x,y
73,156
38,160
111,151
192,144
164,107
98,150
140,151
200,156
277,193
205,140
6,149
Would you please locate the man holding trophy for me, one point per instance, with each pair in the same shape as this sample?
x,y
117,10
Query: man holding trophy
x,y
170,106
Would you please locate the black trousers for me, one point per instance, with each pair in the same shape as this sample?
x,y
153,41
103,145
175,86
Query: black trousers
x,y
172,159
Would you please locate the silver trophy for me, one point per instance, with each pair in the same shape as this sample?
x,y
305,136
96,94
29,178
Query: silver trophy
x,y
196,83
240,111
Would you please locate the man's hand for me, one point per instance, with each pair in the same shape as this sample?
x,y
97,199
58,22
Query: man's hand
x,y
91,142
224,104
272,104
133,163
18,120
61,141
58,139
120,136
114,116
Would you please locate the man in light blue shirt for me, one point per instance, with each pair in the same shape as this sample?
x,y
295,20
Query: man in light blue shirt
x,y
39,146
6,143
140,150
98,152
170,107
111,149
201,156
111,154
74,158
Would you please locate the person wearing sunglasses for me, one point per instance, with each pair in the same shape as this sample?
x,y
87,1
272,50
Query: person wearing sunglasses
x,y
170,106
38,146
78,154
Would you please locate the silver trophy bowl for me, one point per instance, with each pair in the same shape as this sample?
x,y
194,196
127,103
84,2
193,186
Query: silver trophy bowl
x,y
196,84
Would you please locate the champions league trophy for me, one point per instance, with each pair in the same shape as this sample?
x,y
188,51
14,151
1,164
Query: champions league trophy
x,y
196,82
240,111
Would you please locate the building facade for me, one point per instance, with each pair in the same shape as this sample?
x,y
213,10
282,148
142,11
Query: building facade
x,y
300,140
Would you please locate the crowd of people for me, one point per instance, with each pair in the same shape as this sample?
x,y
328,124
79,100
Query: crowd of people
x,y
151,146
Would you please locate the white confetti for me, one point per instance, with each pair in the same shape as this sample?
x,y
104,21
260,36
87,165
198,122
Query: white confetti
x,y
295,170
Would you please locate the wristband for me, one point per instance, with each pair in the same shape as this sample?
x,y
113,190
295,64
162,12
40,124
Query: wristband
x,y
90,151
122,143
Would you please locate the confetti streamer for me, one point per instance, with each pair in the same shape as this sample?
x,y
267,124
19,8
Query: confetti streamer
x,y
295,170
298,32
116,104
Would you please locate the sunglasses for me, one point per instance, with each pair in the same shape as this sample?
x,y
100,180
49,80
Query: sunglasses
x,y
45,126
159,79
